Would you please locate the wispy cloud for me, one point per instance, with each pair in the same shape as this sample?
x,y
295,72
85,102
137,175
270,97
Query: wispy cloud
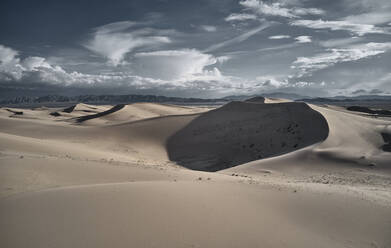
x,y
265,49
237,39
376,17
115,40
359,29
333,56
279,37
331,43
240,17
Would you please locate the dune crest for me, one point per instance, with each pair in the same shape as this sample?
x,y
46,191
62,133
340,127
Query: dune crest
x,y
134,112
100,114
86,108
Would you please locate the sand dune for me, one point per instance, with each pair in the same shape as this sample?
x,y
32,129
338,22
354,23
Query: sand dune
x,y
240,132
352,154
276,100
86,108
135,112
298,176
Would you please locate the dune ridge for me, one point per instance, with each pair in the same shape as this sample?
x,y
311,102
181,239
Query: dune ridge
x,y
124,113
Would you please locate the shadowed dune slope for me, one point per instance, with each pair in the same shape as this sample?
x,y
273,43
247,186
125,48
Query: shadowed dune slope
x,y
353,142
257,99
240,132
85,108
100,114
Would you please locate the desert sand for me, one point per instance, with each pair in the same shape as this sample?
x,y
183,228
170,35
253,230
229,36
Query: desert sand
x,y
258,173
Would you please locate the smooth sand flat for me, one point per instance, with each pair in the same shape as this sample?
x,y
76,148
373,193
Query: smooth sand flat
x,y
189,214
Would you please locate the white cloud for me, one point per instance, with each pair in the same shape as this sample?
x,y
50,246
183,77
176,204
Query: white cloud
x,y
301,84
303,39
35,63
12,68
208,28
187,70
338,55
8,55
240,17
359,29
279,37
278,9
307,11
271,82
9,63
173,64
273,9
115,40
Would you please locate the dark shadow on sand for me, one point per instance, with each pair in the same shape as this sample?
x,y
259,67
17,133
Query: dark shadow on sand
x,y
110,111
240,132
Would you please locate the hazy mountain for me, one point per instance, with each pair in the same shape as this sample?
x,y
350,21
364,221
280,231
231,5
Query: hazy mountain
x,y
290,96
103,99
347,98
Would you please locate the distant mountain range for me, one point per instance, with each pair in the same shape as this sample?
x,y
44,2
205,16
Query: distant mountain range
x,y
347,99
290,96
103,99
123,99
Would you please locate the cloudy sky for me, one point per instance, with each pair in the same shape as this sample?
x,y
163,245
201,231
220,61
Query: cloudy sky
x,y
203,48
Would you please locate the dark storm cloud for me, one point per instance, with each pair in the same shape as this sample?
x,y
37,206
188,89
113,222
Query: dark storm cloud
x,y
205,48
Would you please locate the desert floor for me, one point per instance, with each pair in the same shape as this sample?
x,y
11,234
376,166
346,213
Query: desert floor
x,y
260,173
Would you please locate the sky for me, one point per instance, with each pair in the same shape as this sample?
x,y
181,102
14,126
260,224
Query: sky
x,y
198,48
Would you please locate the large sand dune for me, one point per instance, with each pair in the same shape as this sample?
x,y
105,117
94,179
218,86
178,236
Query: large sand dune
x,y
353,142
240,132
298,176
